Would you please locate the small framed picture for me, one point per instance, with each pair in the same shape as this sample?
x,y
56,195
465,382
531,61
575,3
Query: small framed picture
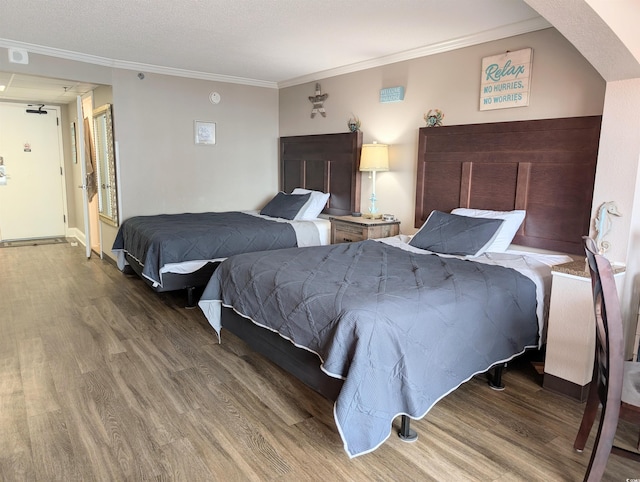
x,y
205,132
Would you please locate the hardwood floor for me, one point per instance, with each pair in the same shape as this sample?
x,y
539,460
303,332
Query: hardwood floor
x,y
103,379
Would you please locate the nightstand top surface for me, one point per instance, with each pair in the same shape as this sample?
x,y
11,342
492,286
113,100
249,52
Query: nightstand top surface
x,y
579,268
362,220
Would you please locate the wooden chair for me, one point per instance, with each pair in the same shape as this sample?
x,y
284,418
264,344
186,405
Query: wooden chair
x,y
615,383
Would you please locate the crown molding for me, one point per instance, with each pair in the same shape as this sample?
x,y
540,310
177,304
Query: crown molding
x,y
137,66
510,30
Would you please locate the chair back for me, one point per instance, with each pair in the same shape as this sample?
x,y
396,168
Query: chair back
x,y
609,359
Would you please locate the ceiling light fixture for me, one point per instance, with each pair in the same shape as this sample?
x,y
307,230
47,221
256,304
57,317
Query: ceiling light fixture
x,y
2,87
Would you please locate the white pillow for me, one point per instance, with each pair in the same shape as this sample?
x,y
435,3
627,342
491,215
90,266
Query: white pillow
x,y
314,206
506,233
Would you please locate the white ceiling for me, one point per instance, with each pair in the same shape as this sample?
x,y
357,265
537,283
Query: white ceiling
x,y
271,43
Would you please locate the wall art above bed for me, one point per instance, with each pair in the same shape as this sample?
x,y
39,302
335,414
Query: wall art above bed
x,y
505,80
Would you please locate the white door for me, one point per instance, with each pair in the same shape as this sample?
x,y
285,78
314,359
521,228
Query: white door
x,y
31,195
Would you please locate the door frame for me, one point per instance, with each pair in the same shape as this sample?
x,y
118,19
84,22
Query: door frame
x,y
63,170
83,173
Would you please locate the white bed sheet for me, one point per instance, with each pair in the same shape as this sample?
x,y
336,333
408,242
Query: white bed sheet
x,y
535,266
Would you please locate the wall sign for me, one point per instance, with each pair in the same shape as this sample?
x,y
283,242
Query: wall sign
x,y
391,94
505,80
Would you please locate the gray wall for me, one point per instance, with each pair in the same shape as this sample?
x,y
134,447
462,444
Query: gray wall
x,y
563,84
161,168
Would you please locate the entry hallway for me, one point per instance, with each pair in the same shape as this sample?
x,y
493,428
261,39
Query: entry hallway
x,y
103,379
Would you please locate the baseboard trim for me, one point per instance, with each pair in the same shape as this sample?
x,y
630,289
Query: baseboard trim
x,y
565,387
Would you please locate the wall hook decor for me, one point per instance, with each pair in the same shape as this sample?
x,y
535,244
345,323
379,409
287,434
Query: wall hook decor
x,y
318,102
602,224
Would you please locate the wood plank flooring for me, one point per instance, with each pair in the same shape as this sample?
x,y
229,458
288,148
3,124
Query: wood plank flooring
x,y
103,379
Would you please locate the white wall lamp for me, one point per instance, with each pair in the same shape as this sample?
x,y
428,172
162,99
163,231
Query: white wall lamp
x,y
373,158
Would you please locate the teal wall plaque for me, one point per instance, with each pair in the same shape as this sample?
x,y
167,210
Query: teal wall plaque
x,y
392,94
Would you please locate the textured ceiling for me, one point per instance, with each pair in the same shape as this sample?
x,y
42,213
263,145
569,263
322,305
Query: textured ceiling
x,y
268,42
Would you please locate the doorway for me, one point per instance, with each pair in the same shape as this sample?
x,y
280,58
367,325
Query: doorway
x,y
32,190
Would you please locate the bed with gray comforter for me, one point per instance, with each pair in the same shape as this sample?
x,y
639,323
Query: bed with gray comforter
x,y
155,241
403,329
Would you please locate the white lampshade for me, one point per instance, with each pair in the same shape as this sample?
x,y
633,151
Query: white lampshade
x,y
374,157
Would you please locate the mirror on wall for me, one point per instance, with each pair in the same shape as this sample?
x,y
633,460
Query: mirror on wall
x,y
105,164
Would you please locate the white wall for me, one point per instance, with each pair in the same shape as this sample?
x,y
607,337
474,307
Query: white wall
x,y
618,179
605,33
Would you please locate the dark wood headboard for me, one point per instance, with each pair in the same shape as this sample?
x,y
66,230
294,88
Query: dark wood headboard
x,y
546,167
324,162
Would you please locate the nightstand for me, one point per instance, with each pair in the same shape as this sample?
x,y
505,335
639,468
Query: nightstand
x,y
568,364
349,229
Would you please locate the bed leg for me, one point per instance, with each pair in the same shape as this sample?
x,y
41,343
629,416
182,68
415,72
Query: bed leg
x,y
405,433
495,380
191,304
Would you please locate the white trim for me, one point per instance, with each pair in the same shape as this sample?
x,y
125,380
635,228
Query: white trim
x,y
77,234
138,66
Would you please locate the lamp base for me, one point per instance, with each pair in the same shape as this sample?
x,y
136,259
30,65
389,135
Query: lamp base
x,y
372,216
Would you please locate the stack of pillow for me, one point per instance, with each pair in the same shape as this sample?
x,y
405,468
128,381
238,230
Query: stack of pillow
x,y
300,205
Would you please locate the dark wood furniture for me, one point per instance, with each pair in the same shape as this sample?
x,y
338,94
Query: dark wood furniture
x,y
322,162
350,229
614,383
546,167
327,163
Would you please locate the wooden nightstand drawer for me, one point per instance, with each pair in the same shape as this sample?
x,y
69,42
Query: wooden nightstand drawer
x,y
345,233
349,229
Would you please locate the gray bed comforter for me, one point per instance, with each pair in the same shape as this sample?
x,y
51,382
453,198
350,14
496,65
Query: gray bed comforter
x,y
173,238
403,329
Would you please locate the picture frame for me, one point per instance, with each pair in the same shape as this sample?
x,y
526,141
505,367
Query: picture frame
x,y
205,132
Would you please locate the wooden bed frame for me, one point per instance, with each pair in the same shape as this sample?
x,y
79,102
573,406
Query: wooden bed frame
x,y
323,162
327,163
544,166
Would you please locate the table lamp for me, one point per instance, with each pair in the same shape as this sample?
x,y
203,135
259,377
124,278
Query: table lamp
x,y
374,158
